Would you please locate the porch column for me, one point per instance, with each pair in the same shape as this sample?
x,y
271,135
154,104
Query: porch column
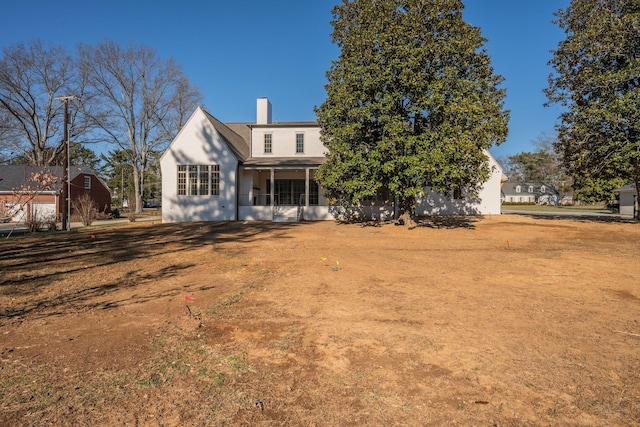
x,y
273,182
306,187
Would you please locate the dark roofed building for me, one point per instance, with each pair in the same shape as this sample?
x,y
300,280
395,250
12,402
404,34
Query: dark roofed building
x,y
22,198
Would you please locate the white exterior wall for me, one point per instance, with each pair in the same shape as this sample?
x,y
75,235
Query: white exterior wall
x,y
487,202
283,141
198,143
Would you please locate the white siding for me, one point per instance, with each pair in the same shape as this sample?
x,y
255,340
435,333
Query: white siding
x,y
283,142
487,202
198,143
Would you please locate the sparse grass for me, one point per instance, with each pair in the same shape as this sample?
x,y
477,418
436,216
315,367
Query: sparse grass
x,y
225,304
236,363
294,344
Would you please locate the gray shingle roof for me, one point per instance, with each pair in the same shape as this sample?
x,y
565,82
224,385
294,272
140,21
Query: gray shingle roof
x,y
236,142
284,161
238,137
630,187
510,188
14,177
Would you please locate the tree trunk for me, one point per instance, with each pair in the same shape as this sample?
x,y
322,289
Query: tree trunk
x,y
405,212
136,189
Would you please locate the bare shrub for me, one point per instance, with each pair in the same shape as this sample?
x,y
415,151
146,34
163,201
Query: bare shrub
x,y
86,208
5,213
32,225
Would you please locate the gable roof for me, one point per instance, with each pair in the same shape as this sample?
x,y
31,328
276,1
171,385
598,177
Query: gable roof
x,y
510,188
237,136
13,177
237,143
626,188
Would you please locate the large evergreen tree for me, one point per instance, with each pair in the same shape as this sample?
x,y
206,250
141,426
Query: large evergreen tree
x,y
597,77
412,101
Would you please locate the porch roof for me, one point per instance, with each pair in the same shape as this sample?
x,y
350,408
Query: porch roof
x,y
268,162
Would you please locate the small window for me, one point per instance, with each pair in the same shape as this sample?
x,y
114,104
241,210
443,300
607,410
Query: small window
x,y
543,189
204,180
268,143
182,180
87,182
531,189
215,180
193,180
299,143
518,189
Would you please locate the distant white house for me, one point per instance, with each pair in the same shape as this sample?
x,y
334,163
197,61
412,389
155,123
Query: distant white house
x,y
628,201
541,193
214,171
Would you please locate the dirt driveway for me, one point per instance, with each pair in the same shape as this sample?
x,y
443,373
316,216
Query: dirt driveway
x,y
505,320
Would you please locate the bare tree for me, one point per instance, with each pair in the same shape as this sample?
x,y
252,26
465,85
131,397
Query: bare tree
x,y
138,101
31,119
85,207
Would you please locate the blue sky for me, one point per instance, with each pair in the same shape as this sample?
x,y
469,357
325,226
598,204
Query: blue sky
x,y
238,51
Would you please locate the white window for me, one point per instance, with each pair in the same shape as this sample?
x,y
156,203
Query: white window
x,y
531,189
268,143
518,189
543,189
198,180
87,182
182,180
299,143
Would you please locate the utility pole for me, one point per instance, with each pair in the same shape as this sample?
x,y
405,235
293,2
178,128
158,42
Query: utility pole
x,y
66,185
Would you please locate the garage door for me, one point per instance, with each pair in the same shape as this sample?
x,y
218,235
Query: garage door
x,y
43,212
16,212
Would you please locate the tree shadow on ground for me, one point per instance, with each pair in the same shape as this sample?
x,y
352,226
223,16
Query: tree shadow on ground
x,y
447,221
605,219
110,246
78,298
33,262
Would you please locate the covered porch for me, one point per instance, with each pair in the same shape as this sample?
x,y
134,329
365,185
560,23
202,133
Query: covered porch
x,y
281,190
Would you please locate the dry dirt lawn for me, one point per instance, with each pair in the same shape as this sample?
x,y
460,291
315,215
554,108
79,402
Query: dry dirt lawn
x,y
499,321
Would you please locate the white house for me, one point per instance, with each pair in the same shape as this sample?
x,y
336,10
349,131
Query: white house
x,y
541,193
214,171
